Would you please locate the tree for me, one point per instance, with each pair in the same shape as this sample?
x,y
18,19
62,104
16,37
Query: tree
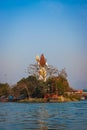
x,y
15,90
33,69
4,89
62,85
57,84
63,73
28,85
50,70
40,90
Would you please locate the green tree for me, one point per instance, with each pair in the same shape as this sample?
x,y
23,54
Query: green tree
x,y
28,85
40,90
62,85
4,89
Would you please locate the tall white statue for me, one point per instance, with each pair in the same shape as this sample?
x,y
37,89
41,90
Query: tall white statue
x,y
42,65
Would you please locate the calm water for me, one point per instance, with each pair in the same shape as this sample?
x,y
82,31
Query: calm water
x,y
43,116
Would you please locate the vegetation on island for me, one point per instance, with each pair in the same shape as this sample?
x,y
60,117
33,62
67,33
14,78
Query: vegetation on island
x,y
44,83
34,90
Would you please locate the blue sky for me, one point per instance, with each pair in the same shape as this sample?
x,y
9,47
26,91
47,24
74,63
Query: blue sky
x,y
56,28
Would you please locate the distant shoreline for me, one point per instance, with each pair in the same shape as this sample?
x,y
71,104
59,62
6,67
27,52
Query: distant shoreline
x,y
61,99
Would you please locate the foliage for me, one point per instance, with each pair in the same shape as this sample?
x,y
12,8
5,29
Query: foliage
x,y
4,89
16,91
32,87
73,96
50,70
62,85
28,85
63,73
59,84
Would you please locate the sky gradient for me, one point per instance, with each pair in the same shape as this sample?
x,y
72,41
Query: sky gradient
x,y
56,28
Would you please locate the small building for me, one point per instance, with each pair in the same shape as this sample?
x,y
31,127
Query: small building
x,y
79,91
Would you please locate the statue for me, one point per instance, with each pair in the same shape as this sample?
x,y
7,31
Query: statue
x,y
41,69
42,65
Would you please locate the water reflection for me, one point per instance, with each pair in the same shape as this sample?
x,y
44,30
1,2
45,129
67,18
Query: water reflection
x,y
43,116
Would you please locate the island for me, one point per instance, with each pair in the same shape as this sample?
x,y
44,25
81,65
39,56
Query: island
x,y
45,83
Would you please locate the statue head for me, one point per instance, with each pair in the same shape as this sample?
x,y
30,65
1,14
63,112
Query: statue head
x,y
42,60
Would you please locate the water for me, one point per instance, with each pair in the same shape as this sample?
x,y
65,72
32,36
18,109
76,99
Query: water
x,y
43,116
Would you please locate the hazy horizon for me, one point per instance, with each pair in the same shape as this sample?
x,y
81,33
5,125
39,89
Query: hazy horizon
x,y
56,28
